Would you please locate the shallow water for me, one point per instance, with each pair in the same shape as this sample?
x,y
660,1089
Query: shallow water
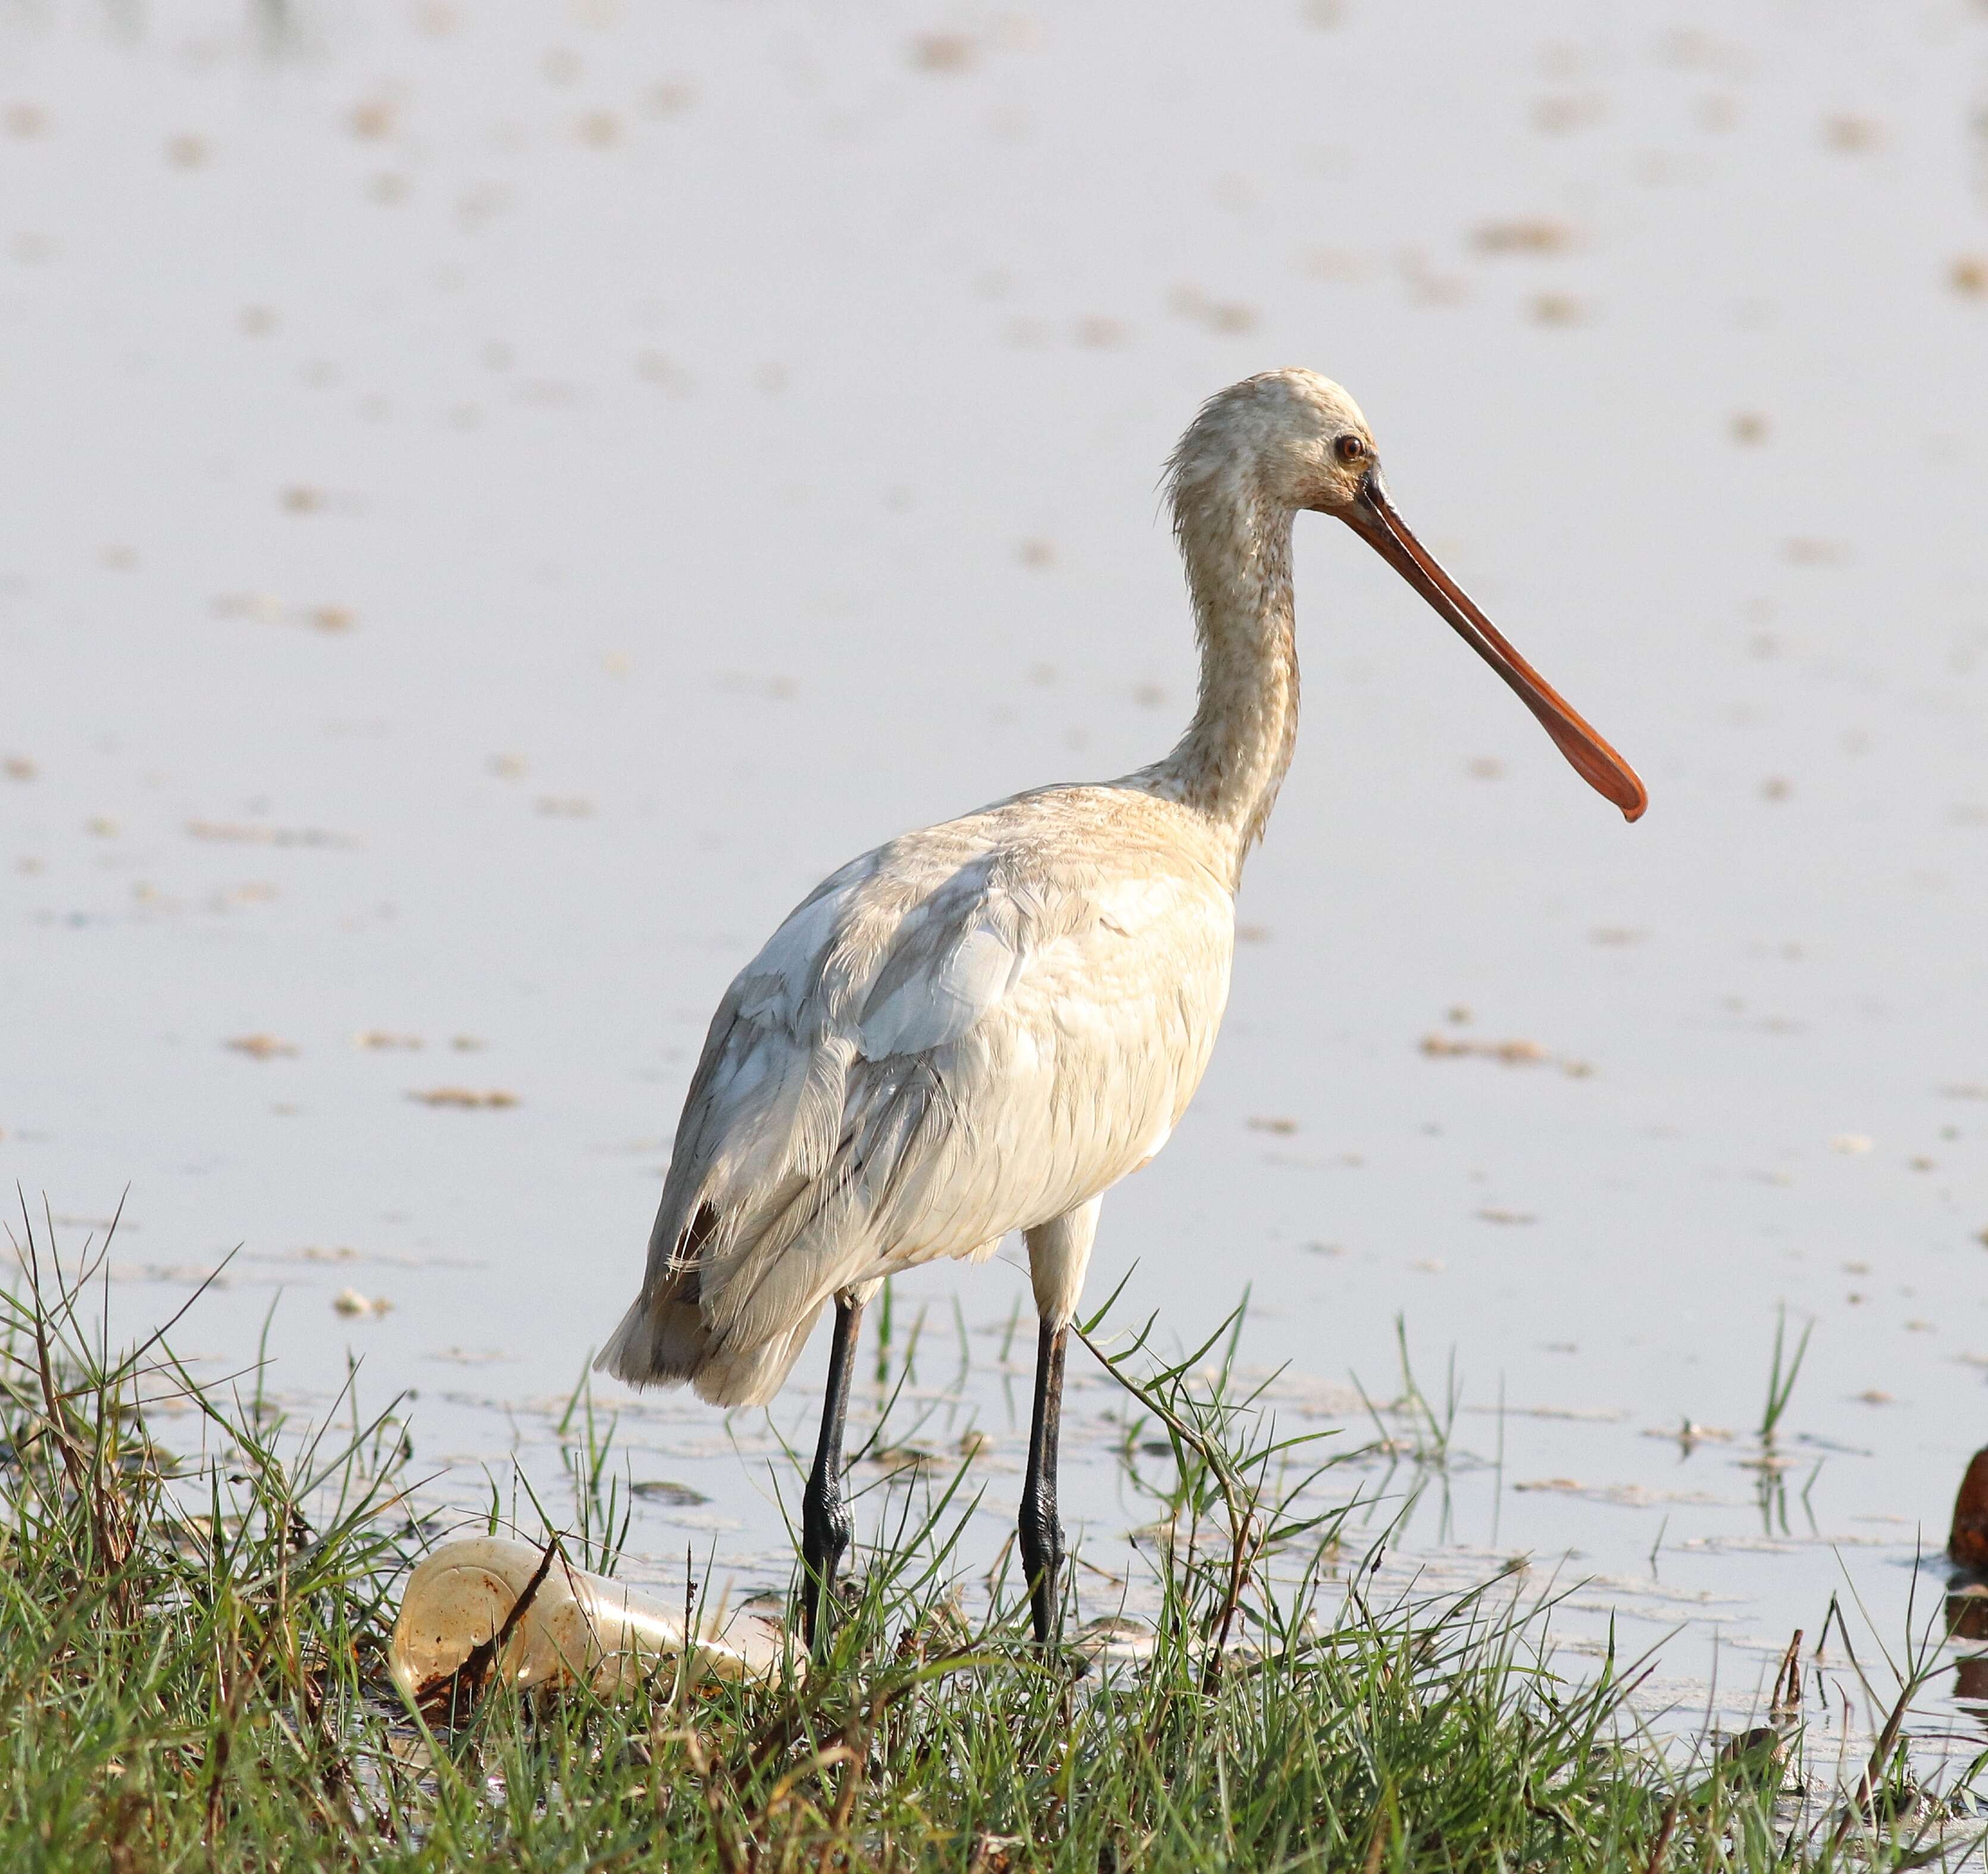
x,y
497,506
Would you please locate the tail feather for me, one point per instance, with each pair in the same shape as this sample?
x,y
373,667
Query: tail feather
x,y
751,1375
776,1189
661,1340
665,1340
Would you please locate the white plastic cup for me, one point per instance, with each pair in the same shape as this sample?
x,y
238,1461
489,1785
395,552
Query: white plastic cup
x,y
580,1628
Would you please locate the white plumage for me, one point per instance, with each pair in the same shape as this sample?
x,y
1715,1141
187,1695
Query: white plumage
x,y
982,1027
973,1030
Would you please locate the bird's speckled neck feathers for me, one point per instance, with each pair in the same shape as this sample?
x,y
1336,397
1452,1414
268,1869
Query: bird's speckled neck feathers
x,y
1236,538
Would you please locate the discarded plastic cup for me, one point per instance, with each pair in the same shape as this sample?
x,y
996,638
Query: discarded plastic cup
x,y
578,1628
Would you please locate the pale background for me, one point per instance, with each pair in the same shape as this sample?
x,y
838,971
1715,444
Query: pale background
x,y
495,502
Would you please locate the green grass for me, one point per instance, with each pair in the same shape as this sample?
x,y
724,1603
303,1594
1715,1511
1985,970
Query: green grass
x,y
198,1597
1782,1375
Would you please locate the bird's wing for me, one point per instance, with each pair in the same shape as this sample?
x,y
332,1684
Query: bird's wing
x,y
954,1037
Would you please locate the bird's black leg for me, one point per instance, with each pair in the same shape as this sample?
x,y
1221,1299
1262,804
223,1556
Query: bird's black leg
x,y
826,1523
1040,1530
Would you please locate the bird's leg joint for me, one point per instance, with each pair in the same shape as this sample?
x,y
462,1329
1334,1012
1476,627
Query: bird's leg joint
x,y
1041,1532
826,1530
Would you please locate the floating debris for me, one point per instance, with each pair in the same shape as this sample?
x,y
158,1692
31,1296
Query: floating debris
x,y
776,688
1512,1053
1573,1415
267,609
351,1303
660,1491
1527,235
1515,1053
465,1096
1559,112
1336,265
372,118
250,891
1560,309
670,99
948,52
1853,136
1688,1434
1425,285
255,833
1116,1639
382,1037
1224,317
1628,1496
261,1047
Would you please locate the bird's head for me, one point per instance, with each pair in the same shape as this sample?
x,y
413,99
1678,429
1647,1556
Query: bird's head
x,y
1290,438
1296,440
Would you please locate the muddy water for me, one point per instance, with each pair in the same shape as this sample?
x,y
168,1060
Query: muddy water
x,y
496,507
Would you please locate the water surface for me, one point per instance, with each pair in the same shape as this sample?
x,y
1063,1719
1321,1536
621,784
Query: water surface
x,y
499,503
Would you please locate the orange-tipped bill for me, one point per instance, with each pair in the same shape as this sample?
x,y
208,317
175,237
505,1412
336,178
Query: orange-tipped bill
x,y
1373,518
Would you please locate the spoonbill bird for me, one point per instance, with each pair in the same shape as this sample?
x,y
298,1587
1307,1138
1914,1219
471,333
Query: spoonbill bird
x,y
982,1027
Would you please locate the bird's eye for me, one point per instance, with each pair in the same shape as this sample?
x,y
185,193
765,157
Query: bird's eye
x,y
1350,449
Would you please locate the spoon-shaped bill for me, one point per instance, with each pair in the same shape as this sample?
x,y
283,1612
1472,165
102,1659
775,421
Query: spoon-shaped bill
x,y
1373,518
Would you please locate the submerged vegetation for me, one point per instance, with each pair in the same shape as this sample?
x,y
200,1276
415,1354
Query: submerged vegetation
x,y
198,1598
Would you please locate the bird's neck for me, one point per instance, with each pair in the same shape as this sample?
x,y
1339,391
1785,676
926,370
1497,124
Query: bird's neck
x,y
1229,764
